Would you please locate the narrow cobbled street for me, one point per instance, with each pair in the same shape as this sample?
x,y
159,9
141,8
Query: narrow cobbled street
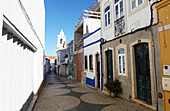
x,y
61,94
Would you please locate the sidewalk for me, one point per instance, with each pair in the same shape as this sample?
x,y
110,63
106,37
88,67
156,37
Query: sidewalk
x,y
61,94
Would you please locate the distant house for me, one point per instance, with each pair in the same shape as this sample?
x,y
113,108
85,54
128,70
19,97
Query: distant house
x,y
62,55
70,58
62,63
52,62
47,65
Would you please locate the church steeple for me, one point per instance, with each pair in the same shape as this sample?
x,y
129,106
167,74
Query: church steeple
x,y
61,40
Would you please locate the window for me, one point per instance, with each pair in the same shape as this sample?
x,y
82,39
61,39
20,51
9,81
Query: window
x,y
107,16
136,3
91,62
86,66
121,61
61,41
119,9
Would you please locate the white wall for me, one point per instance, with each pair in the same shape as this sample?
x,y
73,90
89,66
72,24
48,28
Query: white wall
x,y
90,25
134,19
138,18
108,32
92,50
21,70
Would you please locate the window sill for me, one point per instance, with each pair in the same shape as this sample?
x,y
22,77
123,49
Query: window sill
x,y
122,76
107,27
138,8
90,70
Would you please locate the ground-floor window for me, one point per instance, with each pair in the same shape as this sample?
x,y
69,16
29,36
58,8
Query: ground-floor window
x,y
91,62
86,66
121,61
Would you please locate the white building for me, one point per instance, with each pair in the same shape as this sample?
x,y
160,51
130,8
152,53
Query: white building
x,y
61,40
92,58
87,24
62,51
22,45
131,33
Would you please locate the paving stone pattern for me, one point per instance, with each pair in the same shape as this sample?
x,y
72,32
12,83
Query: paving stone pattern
x,y
61,94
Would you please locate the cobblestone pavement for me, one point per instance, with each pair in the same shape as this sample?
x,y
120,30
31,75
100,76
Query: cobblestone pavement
x,y
61,94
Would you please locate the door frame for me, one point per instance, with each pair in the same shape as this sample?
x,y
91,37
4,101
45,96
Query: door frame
x,y
96,75
105,66
133,72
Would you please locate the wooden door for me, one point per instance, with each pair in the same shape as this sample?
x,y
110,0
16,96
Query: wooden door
x,y
143,72
98,69
109,65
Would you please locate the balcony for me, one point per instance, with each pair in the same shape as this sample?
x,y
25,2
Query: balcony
x,y
87,14
120,26
79,45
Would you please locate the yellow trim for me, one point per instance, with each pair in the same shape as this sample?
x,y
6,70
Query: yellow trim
x,y
162,4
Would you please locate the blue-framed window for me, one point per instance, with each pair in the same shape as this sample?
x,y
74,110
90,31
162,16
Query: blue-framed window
x,y
107,16
119,9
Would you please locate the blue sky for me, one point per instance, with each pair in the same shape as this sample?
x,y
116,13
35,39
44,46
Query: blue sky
x,y
61,14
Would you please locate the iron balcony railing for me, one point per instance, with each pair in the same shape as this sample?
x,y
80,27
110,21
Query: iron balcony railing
x,y
89,13
120,26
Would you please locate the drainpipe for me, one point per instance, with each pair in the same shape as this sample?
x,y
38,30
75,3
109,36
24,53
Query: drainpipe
x,y
83,62
153,53
101,42
154,70
101,66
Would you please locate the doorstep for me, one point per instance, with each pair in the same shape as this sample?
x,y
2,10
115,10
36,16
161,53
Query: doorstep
x,y
143,103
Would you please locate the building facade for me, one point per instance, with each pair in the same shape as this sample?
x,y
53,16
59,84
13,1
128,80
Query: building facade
x,y
70,58
131,50
92,58
88,22
52,60
22,47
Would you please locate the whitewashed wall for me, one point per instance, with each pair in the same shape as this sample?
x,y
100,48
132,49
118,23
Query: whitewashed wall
x,y
137,18
92,50
21,70
90,25
108,32
134,19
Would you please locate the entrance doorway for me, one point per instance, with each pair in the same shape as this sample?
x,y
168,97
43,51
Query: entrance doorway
x,y
98,70
143,72
109,64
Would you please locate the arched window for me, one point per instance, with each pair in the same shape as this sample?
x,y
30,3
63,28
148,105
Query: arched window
x,y
107,16
121,61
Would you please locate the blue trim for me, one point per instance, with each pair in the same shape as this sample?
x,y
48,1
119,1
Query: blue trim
x,y
91,33
90,82
91,43
101,67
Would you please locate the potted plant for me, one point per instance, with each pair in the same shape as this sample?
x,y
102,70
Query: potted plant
x,y
114,87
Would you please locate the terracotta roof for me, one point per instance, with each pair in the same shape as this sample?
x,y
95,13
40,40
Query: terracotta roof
x,y
51,57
